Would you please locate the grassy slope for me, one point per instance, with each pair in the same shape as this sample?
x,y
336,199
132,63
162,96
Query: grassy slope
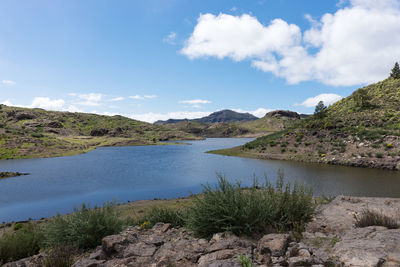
x,y
348,133
255,128
27,133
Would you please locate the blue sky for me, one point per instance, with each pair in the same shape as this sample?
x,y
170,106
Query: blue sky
x,y
158,59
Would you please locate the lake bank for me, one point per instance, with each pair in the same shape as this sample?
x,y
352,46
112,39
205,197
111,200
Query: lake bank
x,y
332,238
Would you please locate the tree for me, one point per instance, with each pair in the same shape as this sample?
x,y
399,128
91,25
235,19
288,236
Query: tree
x,y
395,71
362,98
320,109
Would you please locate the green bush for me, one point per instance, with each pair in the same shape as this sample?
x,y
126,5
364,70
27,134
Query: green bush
x,y
84,228
166,215
19,244
245,261
229,207
372,218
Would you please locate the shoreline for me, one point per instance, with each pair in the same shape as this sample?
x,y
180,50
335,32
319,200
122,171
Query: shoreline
x,y
360,163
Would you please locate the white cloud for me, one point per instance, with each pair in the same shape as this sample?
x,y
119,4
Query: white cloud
x,y
170,38
195,103
91,99
47,103
150,96
115,99
238,37
143,96
152,117
73,108
260,112
6,102
357,44
8,82
328,99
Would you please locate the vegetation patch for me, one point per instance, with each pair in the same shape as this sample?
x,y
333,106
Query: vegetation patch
x,y
373,218
84,228
259,209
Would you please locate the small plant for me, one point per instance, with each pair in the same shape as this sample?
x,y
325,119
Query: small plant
x,y
145,225
372,218
19,244
245,261
379,155
18,226
84,228
166,215
61,256
389,146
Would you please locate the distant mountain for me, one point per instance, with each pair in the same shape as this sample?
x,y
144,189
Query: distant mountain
x,y
225,115
227,123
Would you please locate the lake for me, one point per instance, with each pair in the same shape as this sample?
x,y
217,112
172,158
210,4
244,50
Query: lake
x,y
124,174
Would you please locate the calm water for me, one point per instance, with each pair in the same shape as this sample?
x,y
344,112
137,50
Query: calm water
x,y
147,172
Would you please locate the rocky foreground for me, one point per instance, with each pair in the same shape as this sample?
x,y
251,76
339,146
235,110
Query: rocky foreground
x,y
330,239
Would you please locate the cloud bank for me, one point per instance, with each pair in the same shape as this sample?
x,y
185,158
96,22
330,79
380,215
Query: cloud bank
x,y
328,99
357,44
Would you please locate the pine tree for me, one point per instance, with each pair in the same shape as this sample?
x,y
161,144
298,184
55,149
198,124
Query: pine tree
x,y
320,108
395,71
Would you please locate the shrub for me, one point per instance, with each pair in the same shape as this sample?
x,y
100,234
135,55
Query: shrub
x,y
18,226
37,135
372,218
84,228
61,256
166,215
245,261
19,244
229,207
379,155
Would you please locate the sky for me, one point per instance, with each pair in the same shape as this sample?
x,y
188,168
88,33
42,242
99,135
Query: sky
x,y
158,59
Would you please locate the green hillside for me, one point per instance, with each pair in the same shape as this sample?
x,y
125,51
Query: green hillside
x,y
360,130
26,133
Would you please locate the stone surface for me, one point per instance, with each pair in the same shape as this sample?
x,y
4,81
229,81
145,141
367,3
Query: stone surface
x,y
275,244
369,246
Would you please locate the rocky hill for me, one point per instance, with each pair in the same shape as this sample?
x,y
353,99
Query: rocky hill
x,y
360,130
225,115
29,133
205,127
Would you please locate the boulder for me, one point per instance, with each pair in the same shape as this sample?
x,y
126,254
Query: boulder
x,y
274,244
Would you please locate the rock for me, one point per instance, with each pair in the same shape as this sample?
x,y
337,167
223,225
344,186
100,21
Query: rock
x,y
225,254
300,261
283,113
25,116
369,246
54,124
161,227
139,249
113,243
304,253
98,255
275,244
99,132
88,263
